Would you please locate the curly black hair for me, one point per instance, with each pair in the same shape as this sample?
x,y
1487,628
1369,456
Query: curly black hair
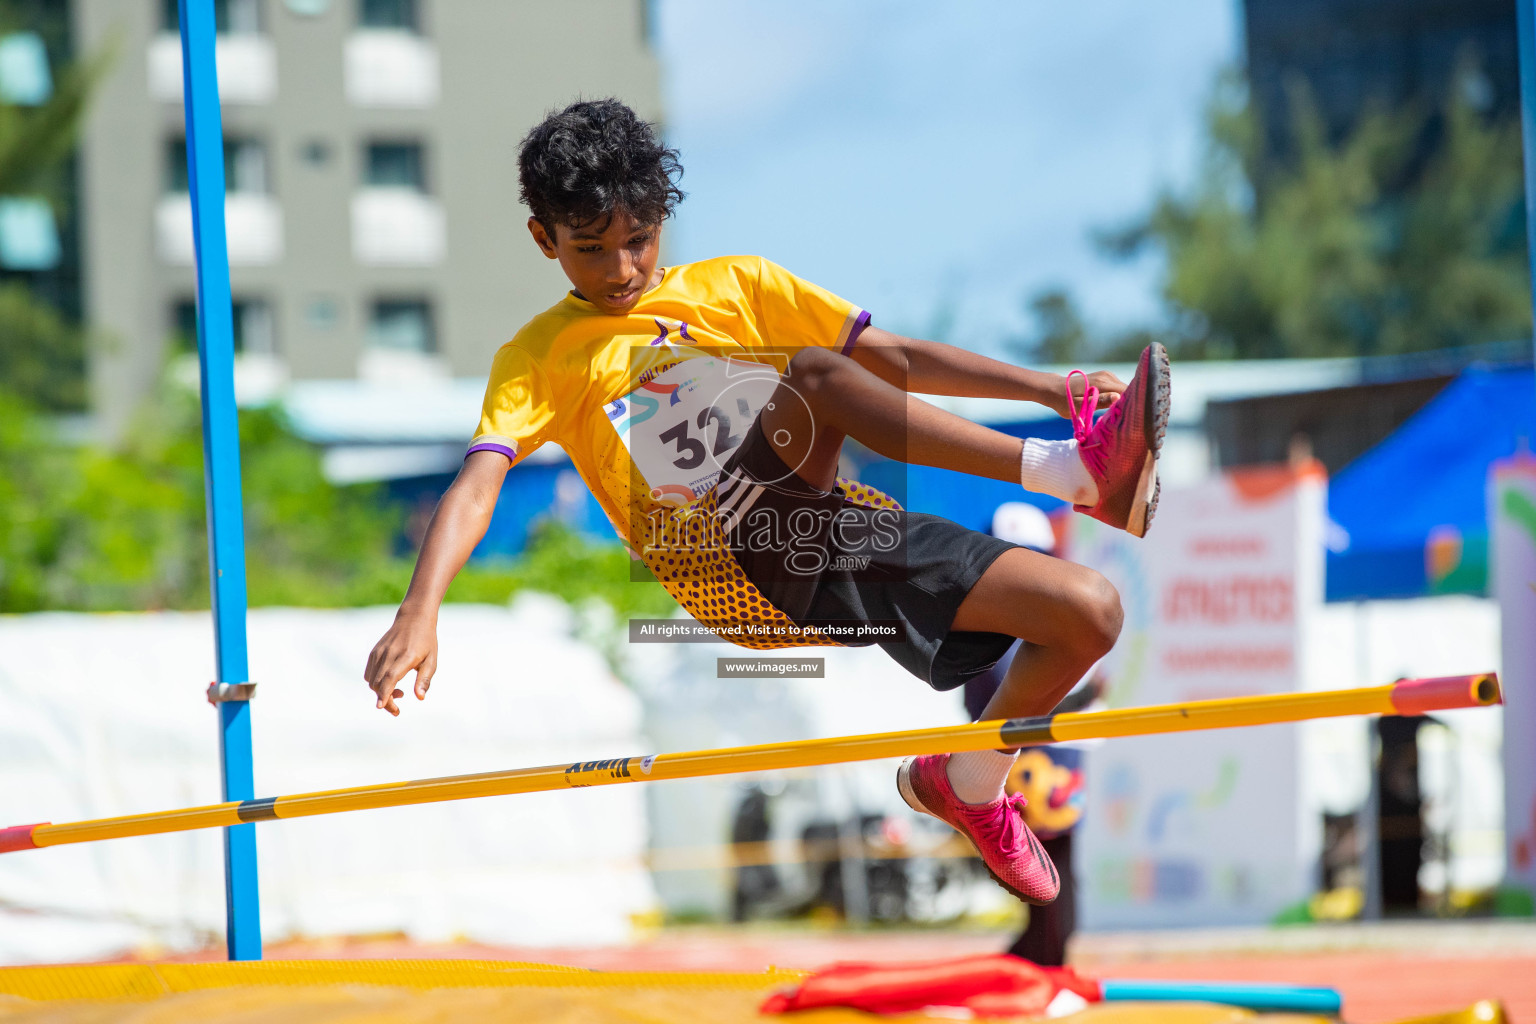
x,y
581,164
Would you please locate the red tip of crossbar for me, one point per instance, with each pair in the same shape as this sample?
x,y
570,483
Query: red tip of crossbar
x,y
18,837
1420,696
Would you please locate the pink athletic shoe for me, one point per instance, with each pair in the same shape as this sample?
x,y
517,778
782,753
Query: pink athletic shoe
x,y
1008,848
1121,449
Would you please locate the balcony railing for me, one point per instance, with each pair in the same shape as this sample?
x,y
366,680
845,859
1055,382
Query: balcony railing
x,y
390,68
397,227
247,66
254,223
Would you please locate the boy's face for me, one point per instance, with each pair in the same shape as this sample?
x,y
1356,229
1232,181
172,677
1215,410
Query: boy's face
x,y
610,262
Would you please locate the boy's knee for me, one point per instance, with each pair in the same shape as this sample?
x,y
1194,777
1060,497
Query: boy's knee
x,y
1100,615
811,369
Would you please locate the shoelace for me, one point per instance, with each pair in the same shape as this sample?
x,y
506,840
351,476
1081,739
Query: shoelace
x,y
1007,828
1082,411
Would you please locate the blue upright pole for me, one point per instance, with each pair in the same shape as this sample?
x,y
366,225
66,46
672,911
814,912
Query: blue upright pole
x,y
221,462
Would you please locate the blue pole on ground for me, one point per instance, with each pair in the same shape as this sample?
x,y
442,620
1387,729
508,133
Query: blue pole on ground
x,y
1270,998
1525,30
221,460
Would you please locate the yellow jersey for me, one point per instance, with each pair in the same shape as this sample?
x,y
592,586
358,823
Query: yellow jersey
x,y
649,404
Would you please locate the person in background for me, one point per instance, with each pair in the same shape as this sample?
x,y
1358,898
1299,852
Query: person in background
x,y
1051,778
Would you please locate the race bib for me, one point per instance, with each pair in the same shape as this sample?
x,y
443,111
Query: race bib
x,y
682,425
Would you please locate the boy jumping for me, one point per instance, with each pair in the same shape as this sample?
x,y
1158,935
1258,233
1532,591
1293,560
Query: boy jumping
x,y
706,405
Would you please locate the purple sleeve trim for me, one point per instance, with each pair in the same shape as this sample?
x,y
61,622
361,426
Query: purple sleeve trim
x,y
858,328
492,446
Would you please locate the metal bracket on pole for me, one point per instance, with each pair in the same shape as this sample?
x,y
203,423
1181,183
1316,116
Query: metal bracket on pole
x,y
218,693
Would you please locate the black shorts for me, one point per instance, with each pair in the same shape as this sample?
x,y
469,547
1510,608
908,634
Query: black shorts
x,y
821,559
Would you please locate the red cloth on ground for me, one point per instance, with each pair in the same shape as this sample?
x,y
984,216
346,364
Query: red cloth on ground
x,y
993,985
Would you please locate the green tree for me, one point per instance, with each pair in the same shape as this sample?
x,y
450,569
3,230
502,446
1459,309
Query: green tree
x,y
1060,335
1360,246
36,140
33,471
123,528
42,356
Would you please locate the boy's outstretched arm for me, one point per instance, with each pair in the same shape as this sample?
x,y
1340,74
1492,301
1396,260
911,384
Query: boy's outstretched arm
x,y
934,368
457,525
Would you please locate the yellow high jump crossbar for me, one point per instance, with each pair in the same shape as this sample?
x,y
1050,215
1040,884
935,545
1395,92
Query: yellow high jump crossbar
x,y
1405,697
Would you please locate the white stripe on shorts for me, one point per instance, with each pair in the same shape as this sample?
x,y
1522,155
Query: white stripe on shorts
x,y
746,497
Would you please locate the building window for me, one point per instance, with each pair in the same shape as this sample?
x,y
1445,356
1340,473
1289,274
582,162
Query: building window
x,y
233,17
402,325
245,166
24,76
396,14
29,234
396,165
255,326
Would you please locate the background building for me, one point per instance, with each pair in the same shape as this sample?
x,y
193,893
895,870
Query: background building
x,y
38,240
1353,55
374,228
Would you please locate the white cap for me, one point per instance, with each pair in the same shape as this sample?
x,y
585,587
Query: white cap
x,y
1019,522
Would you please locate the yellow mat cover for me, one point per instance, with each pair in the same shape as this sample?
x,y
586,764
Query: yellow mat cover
x,y
420,991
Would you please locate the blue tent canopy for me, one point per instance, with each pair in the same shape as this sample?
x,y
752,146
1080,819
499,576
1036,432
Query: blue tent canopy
x,y
1412,512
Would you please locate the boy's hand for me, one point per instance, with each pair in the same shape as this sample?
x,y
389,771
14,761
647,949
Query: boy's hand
x,y
457,526
411,643
1110,388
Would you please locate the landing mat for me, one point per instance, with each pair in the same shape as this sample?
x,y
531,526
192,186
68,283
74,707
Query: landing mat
x,y
421,991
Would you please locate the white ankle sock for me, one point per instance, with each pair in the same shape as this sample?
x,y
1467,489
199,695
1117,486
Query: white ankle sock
x,y
978,775
1055,468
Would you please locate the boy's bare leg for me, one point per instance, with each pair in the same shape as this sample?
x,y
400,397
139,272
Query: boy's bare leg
x,y
827,393
1067,615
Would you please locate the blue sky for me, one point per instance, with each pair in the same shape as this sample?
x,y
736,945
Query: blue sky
x,y
912,156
